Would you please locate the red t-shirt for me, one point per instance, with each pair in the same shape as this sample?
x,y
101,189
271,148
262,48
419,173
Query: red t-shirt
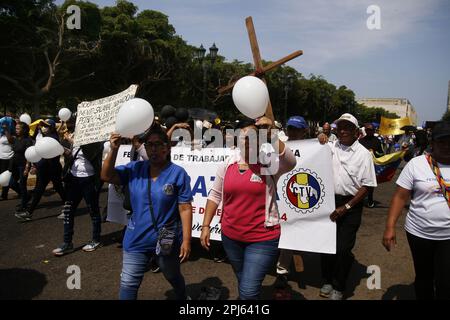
x,y
244,200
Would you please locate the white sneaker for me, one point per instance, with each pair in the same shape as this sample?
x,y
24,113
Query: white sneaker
x,y
326,290
336,295
61,216
281,270
91,246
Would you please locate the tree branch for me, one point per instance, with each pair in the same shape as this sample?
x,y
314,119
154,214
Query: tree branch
x,y
16,84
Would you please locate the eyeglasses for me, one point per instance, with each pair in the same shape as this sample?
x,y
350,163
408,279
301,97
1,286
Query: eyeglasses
x,y
157,145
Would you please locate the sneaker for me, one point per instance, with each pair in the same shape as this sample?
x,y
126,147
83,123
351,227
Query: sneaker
x,y
281,270
326,290
63,249
371,204
336,295
24,216
92,246
61,216
219,259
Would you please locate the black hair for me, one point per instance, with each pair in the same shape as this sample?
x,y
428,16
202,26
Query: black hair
x,y
244,122
25,128
157,130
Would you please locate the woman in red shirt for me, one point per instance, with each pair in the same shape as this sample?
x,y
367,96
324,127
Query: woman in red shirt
x,y
250,219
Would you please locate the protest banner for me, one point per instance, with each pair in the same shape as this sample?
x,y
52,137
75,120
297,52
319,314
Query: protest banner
x,y
96,120
305,194
116,213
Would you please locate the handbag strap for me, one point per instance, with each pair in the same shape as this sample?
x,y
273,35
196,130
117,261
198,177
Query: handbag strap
x,y
152,213
445,188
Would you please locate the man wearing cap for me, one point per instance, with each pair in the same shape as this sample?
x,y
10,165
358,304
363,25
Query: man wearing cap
x,y
354,175
297,128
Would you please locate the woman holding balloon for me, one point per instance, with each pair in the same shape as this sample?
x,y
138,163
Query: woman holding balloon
x,y
47,170
250,218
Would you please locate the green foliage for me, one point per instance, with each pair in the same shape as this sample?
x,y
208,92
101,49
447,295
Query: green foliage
x,y
118,46
446,116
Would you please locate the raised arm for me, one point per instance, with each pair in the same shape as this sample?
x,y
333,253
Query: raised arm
x,y
109,174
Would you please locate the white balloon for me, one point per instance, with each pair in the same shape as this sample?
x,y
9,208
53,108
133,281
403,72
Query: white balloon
x,y
106,147
64,114
48,148
4,178
134,117
31,155
25,118
251,97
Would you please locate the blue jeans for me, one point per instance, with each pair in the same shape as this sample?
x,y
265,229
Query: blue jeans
x,y
251,262
135,265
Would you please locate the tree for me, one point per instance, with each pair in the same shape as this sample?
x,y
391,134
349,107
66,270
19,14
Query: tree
x,y
446,116
36,48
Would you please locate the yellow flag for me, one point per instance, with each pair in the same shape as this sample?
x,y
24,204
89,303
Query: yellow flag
x,y
392,126
388,158
33,126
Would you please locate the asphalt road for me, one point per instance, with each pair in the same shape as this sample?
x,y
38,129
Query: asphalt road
x,y
28,270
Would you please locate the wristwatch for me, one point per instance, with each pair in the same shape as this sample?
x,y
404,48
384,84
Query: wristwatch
x,y
347,206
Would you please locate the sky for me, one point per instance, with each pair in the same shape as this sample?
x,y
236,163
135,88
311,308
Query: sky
x,y
408,57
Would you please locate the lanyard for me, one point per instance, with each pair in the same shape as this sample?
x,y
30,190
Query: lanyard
x,y
445,187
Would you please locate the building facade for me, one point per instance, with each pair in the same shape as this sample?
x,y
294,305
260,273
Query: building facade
x,y
400,106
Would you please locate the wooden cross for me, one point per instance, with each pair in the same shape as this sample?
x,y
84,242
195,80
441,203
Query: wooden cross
x,y
260,69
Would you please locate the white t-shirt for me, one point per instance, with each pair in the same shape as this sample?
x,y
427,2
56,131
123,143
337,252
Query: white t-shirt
x,y
6,151
81,167
352,168
429,215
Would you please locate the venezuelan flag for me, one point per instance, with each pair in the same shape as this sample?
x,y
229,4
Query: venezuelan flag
x,y
386,166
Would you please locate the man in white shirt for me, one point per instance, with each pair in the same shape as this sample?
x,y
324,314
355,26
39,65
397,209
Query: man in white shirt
x,y
354,175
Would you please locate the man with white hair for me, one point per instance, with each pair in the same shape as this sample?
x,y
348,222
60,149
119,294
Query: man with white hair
x,y
354,175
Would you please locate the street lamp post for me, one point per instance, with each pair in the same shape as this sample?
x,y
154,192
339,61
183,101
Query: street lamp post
x,y
288,81
201,58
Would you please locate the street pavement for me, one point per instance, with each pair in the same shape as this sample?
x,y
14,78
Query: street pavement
x,y
28,270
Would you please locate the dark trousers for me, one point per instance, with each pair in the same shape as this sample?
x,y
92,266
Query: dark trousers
x,y
336,267
370,195
432,265
18,183
77,189
4,166
42,180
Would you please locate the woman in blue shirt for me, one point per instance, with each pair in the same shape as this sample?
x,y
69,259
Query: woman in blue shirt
x,y
168,207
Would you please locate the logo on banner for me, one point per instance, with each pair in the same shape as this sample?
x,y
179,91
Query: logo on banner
x,y
303,190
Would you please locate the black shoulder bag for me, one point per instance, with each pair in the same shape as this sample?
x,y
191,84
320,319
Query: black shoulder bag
x,y
166,237
66,170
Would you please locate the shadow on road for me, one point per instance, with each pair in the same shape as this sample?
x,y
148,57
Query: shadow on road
x,y
400,292
21,284
196,291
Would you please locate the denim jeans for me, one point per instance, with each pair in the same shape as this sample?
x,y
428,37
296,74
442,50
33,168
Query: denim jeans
x,y
251,262
135,265
77,189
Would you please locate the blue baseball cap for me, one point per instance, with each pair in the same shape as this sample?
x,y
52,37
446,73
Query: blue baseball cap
x,y
297,122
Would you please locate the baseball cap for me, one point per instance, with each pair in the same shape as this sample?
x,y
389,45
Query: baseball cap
x,y
297,122
50,122
440,130
348,117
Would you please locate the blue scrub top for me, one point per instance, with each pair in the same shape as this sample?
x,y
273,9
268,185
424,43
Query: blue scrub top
x,y
171,188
